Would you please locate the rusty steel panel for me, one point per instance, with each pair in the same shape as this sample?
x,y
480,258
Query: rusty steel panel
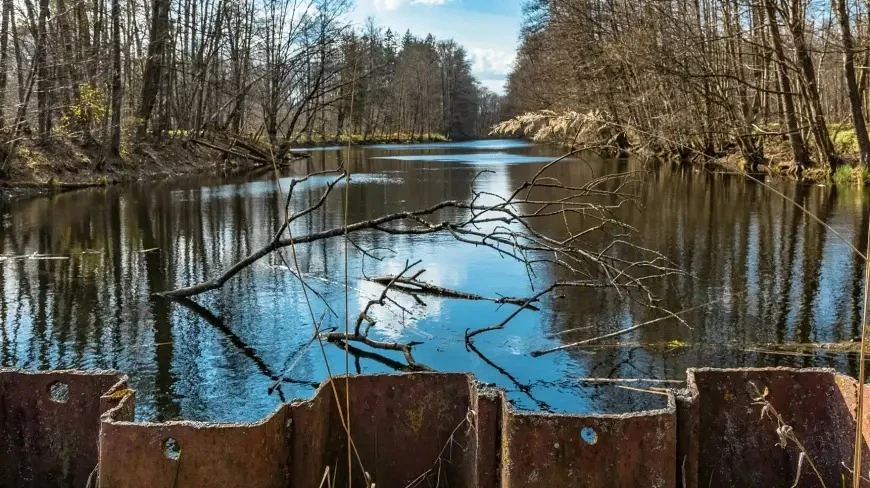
x,y
49,424
415,429
197,454
434,429
687,439
546,450
736,446
489,406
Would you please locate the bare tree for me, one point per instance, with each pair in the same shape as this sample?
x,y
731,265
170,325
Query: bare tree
x,y
704,78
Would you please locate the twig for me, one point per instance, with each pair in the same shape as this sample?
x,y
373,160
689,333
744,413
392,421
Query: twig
x,y
445,454
859,436
642,390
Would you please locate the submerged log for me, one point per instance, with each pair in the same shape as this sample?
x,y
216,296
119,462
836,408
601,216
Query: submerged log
x,y
413,286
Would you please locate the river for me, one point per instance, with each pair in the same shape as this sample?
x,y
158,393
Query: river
x,y
769,273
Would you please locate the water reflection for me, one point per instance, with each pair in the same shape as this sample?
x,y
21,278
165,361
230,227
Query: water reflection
x,y
474,158
772,274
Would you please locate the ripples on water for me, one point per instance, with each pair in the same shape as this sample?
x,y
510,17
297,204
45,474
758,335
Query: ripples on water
x,y
775,275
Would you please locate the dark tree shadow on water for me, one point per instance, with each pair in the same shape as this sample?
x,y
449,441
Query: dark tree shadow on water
x,y
525,388
218,323
359,354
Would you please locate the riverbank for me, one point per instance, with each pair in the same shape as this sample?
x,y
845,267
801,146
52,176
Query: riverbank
x,y
366,139
65,164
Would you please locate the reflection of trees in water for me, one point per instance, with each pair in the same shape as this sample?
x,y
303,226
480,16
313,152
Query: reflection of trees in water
x,y
96,310
733,236
778,276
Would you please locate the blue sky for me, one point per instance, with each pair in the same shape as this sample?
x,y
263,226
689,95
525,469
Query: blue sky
x,y
488,29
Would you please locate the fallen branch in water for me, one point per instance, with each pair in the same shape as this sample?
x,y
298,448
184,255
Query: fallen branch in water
x,y
34,257
845,347
361,334
230,151
379,358
561,284
254,153
848,346
413,286
504,224
339,338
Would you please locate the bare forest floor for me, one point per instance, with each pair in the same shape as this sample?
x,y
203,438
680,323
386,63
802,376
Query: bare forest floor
x,y
61,165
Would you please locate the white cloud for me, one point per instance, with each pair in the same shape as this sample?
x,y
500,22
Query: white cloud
x,y
395,4
491,61
387,4
496,85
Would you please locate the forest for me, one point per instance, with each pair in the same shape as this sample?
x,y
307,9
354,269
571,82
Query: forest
x,y
771,82
108,78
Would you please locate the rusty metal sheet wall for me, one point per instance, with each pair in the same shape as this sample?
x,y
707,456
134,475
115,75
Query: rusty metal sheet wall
x,y
48,440
545,450
428,429
195,454
736,446
412,428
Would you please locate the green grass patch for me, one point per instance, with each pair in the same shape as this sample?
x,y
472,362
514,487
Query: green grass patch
x,y
852,175
844,137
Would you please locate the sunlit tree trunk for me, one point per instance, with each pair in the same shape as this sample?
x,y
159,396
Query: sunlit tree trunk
x,y
852,82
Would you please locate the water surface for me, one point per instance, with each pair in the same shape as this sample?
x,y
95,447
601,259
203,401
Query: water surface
x,y
772,274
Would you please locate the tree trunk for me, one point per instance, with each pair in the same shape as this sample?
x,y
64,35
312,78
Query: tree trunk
x,y
70,76
851,81
40,58
817,117
154,62
795,137
4,55
113,145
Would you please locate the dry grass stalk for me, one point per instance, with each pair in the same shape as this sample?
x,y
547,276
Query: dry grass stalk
x,y
446,453
784,431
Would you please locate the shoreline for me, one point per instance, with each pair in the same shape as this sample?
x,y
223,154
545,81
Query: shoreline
x,y
64,165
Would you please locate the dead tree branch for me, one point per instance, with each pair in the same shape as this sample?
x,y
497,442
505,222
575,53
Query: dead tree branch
x,y
362,335
510,226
